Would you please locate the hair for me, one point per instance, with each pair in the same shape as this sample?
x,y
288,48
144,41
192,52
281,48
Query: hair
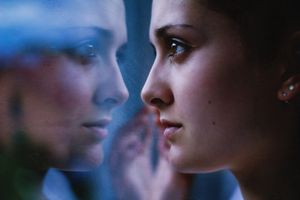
x,y
263,24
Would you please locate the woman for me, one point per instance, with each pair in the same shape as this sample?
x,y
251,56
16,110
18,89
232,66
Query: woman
x,y
225,82
58,86
138,170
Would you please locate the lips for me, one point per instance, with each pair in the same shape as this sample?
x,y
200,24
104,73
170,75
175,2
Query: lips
x,y
170,128
97,129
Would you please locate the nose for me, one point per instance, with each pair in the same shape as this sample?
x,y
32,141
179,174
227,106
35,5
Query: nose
x,y
157,91
111,91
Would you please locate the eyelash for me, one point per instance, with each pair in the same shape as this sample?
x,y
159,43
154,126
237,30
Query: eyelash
x,y
121,55
176,48
85,52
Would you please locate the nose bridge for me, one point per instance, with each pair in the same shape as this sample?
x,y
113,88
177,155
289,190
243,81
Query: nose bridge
x,y
150,84
156,89
111,89
121,90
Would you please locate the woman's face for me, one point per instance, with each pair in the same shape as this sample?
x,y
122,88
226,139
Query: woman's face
x,y
59,97
214,104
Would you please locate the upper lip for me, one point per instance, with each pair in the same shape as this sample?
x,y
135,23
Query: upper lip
x,y
166,123
102,123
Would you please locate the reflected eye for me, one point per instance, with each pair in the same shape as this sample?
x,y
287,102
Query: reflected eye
x,y
85,52
121,55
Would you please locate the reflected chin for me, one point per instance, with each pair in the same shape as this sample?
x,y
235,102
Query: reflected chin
x,y
87,160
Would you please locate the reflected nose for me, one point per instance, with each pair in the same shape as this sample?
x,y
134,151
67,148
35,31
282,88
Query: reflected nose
x,y
156,91
111,90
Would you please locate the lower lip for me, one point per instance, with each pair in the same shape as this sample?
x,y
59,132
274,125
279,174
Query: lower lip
x,y
169,132
98,133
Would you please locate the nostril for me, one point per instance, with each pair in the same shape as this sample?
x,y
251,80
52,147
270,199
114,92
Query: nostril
x,y
157,92
110,103
110,98
157,102
159,98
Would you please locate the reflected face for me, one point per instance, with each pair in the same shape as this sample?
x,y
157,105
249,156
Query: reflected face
x,y
214,104
60,96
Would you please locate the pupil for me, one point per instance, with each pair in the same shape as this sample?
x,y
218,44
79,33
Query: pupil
x,y
173,46
90,50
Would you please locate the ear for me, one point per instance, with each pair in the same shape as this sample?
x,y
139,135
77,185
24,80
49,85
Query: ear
x,y
290,85
289,88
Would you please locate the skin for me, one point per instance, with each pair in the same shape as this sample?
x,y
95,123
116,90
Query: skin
x,y
133,174
58,92
223,110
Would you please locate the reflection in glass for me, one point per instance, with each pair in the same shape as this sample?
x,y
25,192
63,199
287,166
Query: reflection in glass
x,y
59,84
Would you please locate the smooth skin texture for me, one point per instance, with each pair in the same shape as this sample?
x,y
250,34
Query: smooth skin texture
x,y
200,83
63,90
220,109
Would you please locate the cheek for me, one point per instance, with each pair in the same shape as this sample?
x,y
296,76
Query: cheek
x,y
216,103
64,86
216,85
197,91
72,92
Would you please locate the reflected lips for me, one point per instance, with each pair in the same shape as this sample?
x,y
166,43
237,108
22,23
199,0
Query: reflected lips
x,y
97,128
169,128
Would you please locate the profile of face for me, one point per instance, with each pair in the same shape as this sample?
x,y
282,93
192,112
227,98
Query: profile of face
x,y
215,104
57,99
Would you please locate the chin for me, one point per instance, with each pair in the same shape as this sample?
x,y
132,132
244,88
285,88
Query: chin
x,y
179,161
83,165
185,166
86,161
188,163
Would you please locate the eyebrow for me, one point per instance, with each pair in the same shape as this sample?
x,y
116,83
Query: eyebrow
x,y
162,31
71,35
61,38
108,35
100,32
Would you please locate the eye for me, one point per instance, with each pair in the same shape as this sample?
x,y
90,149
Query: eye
x,y
153,49
87,50
84,52
121,55
177,47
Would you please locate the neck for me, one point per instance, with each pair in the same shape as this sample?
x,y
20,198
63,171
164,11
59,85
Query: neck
x,y
274,178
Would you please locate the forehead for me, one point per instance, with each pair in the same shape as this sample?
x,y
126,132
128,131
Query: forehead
x,y
167,13
62,13
179,11
39,17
